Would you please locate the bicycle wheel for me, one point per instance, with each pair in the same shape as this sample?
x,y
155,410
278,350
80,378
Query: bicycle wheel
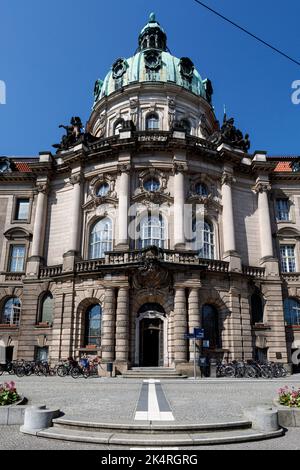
x,y
75,372
20,371
266,373
250,372
229,372
62,371
1,371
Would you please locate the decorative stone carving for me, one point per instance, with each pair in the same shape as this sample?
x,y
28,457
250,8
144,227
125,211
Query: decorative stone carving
x,y
172,110
76,179
97,89
134,110
228,179
160,195
262,187
124,168
179,168
42,187
186,68
229,134
74,132
151,274
119,68
153,60
102,124
97,200
5,165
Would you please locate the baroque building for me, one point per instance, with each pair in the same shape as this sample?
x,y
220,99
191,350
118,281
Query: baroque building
x,y
151,222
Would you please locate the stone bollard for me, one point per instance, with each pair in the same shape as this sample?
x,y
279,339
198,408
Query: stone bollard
x,y
38,418
263,419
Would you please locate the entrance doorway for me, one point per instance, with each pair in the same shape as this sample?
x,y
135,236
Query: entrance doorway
x,y
151,337
151,343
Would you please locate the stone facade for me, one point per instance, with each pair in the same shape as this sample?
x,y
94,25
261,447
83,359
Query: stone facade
x,y
150,295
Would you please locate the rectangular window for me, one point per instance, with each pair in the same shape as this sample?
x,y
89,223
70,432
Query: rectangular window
x,y
283,210
288,258
17,258
22,209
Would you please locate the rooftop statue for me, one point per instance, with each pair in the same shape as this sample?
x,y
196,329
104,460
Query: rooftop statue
x,y
229,134
74,132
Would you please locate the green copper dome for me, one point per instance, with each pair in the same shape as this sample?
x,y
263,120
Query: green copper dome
x,y
153,63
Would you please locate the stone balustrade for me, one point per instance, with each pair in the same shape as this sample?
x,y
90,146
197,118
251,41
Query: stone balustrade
x,y
135,257
252,271
291,277
51,271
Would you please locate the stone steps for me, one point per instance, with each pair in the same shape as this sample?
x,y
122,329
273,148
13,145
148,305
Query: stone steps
x,y
152,373
146,427
183,439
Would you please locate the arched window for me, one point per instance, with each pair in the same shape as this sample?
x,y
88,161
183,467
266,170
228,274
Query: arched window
x,y
292,312
152,231
118,126
100,238
185,123
11,312
46,309
204,239
92,334
210,324
152,122
257,308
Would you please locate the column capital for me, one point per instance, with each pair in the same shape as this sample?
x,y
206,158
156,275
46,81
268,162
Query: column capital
x,y
262,187
227,178
124,168
42,186
179,167
76,178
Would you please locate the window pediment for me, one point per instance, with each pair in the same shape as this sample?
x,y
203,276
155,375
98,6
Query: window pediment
x,y
17,233
288,232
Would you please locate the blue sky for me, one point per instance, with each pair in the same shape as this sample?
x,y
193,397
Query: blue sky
x,y
53,51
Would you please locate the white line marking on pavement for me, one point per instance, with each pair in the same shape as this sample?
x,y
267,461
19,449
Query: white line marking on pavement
x,y
153,412
153,406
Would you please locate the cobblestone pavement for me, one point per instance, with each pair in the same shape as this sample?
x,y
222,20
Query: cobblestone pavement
x,y
115,400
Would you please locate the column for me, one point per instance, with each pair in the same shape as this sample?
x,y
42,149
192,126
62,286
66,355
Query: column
x,y
123,204
179,200
37,246
180,326
75,222
228,219
262,188
122,325
229,243
76,181
40,219
194,316
108,326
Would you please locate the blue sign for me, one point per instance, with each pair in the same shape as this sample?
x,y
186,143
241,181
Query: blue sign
x,y
189,336
198,333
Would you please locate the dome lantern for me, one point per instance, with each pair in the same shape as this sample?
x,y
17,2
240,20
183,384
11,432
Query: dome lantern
x,y
152,35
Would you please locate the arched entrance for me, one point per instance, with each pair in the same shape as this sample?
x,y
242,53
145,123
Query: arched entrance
x,y
151,337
